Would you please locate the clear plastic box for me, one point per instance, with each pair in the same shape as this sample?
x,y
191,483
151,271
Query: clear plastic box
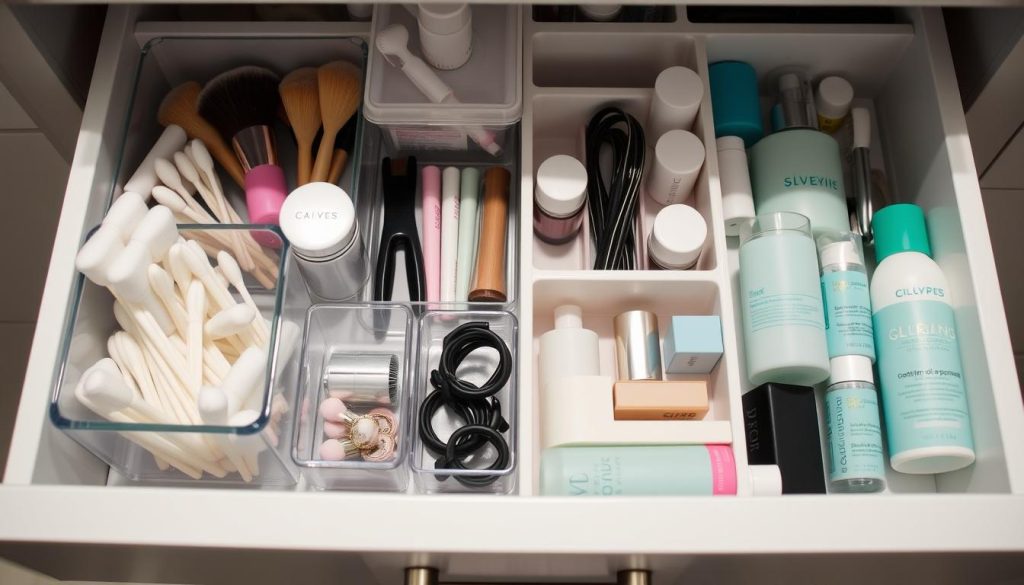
x,y
476,368
362,330
487,89
129,447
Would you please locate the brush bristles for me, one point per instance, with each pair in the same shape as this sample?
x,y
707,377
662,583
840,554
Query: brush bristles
x,y
179,106
340,84
240,98
301,98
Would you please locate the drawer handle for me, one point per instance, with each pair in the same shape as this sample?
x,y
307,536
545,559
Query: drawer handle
x,y
429,576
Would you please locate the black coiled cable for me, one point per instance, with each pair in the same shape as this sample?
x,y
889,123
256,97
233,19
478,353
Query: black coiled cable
x,y
612,205
476,406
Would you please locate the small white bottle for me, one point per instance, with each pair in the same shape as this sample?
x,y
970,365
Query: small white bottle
x,y
927,423
856,463
734,176
677,238
568,349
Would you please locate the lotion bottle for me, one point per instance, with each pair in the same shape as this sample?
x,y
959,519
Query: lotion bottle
x,y
924,400
567,350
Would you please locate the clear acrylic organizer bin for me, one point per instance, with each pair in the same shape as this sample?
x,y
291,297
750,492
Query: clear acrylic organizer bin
x,y
476,368
164,451
357,332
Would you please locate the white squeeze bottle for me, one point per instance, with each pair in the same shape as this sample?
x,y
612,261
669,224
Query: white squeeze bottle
x,y
924,400
568,349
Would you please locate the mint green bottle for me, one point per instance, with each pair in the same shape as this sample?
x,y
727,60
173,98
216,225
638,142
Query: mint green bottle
x,y
637,470
924,399
799,170
780,300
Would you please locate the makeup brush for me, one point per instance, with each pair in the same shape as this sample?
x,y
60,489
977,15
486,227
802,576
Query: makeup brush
x,y
342,146
301,99
341,88
180,108
242,104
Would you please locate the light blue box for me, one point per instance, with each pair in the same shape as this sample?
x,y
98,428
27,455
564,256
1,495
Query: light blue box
x,y
693,344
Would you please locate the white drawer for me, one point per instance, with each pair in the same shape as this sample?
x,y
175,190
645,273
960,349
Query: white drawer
x,y
54,492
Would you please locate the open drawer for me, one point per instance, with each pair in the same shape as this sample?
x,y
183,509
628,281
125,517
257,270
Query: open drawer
x,y
55,492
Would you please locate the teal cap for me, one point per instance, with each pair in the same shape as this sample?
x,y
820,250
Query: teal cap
x,y
899,228
735,104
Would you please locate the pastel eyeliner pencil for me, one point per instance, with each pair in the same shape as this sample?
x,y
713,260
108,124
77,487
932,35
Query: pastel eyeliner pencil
x,y
470,195
432,231
449,231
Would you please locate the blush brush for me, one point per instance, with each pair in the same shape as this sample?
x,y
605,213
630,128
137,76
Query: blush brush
x,y
242,104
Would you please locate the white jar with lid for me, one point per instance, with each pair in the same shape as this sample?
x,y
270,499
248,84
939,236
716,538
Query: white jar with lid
x,y
677,238
320,223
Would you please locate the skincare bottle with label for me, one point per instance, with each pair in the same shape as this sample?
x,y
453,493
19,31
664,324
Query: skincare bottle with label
x,y
798,169
855,462
844,289
780,299
924,399
664,470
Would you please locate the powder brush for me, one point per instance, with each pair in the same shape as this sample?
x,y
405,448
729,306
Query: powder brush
x,y
180,108
301,99
341,88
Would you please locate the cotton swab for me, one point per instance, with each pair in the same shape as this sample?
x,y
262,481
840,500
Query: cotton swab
x,y
230,321
245,377
249,446
128,277
168,175
188,170
98,252
134,370
196,304
163,287
229,268
125,213
213,408
172,139
178,268
157,231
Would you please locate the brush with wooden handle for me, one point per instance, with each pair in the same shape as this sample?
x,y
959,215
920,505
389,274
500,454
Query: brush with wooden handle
x,y
341,88
342,146
489,284
301,98
181,108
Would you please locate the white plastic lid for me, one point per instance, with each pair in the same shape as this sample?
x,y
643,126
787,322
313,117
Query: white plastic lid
x,y
834,97
845,251
568,317
679,152
677,236
678,87
765,480
601,12
488,89
730,143
444,19
851,368
561,187
318,219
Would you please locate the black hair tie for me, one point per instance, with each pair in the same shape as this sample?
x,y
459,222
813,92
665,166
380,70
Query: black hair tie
x,y
450,460
457,345
476,406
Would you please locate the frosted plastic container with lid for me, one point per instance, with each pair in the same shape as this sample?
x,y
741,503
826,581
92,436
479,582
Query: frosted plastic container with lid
x,y
487,89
